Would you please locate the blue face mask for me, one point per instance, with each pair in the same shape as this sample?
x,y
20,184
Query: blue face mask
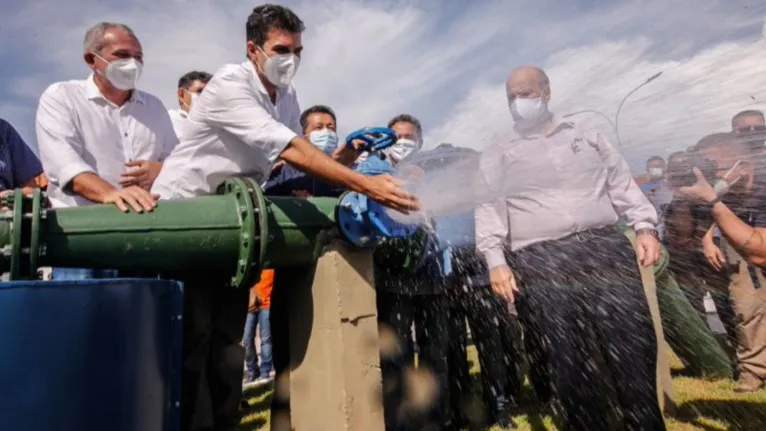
x,y
325,139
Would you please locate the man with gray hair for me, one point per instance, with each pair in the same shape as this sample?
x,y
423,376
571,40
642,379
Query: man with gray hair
x,y
101,140
550,240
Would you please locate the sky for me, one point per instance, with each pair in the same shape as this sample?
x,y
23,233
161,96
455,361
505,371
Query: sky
x,y
444,61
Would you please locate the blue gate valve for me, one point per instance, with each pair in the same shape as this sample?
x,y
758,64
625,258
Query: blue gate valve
x,y
375,138
365,223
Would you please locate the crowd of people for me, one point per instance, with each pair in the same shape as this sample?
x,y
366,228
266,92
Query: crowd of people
x,y
709,255
548,278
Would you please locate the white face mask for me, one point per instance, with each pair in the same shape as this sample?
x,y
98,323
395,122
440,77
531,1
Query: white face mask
x,y
280,69
656,173
325,139
123,73
403,148
722,186
528,113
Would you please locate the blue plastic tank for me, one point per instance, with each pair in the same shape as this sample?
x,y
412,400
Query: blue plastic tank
x,y
95,355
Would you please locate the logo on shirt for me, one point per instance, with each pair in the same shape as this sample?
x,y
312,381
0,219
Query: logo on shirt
x,y
576,145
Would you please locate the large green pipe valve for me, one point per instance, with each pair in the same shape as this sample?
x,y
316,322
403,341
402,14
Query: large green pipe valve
x,y
238,231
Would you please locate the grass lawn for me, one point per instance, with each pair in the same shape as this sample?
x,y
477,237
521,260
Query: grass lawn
x,y
703,405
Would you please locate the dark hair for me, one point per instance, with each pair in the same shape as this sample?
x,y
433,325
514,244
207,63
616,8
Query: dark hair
x,y
655,158
676,154
747,113
194,75
715,140
316,109
270,16
406,118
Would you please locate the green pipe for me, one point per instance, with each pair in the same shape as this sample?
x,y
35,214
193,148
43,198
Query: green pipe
x,y
238,231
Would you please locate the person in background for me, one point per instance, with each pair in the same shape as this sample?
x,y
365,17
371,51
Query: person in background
x,y
258,317
739,216
656,189
189,88
748,121
319,125
694,257
410,137
750,126
101,140
19,166
413,298
551,241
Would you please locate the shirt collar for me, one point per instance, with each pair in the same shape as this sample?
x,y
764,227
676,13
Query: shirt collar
x,y
250,67
557,125
93,92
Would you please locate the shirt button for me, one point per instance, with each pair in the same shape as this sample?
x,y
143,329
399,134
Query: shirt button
x,y
126,133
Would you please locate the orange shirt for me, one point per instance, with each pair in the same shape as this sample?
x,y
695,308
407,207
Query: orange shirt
x,y
263,290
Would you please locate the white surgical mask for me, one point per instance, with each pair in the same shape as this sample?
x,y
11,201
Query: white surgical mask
x,y
325,139
403,148
528,113
280,69
656,173
123,73
722,186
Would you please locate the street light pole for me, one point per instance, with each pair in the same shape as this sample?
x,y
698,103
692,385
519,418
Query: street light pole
x,y
619,108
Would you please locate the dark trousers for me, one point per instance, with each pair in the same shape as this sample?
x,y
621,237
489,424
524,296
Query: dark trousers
x,y
535,348
431,317
280,347
593,305
496,334
214,319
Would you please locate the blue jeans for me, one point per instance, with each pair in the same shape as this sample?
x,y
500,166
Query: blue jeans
x,y
255,319
82,273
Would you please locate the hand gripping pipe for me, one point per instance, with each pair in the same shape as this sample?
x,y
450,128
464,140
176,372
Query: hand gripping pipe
x,y
238,231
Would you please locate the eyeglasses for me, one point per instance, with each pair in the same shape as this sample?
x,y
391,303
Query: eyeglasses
x,y
745,129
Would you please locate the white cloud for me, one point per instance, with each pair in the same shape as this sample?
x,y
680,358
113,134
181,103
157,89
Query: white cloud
x,y
444,61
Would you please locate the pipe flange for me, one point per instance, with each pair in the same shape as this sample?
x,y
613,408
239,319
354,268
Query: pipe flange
x,y
17,229
241,189
34,232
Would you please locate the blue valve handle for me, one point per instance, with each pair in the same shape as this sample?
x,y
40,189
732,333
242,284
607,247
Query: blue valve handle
x,y
375,138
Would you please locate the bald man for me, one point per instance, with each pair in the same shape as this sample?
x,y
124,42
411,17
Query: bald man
x,y
550,240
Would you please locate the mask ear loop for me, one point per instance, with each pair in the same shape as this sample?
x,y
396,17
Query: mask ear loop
x,y
726,176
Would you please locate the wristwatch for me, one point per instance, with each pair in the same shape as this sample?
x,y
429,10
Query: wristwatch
x,y
712,203
648,231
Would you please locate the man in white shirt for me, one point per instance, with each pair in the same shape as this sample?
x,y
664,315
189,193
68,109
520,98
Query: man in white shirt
x,y
189,88
100,139
247,117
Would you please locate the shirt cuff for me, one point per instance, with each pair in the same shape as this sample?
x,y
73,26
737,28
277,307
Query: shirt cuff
x,y
495,258
282,138
72,170
643,225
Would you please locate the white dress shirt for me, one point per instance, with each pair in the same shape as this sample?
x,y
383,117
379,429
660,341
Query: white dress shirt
x,y
79,131
549,187
179,118
233,130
